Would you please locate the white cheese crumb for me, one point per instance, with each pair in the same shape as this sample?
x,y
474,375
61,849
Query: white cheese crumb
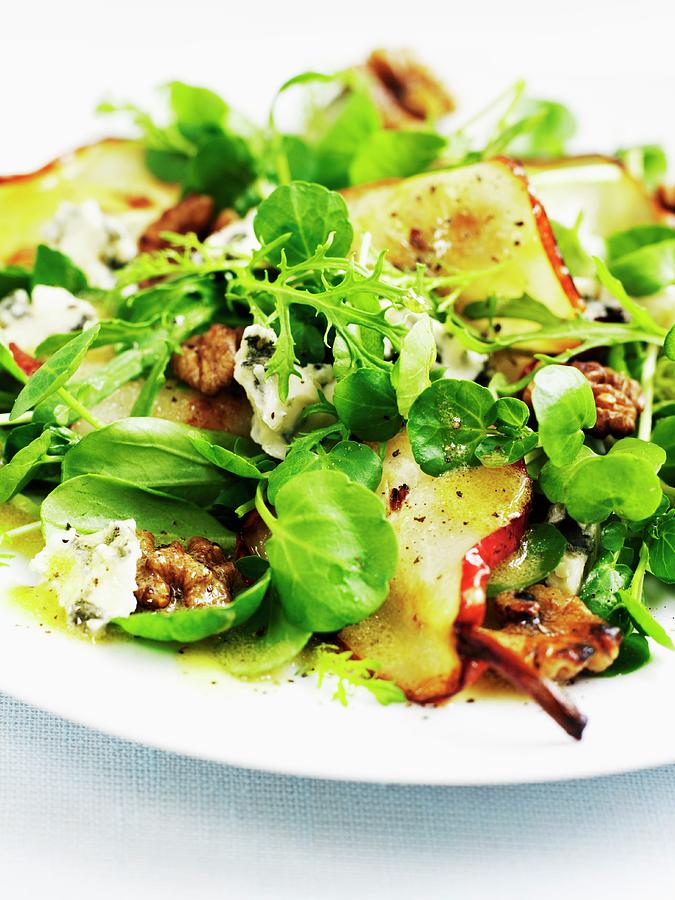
x,y
96,243
568,574
28,321
93,575
239,235
274,421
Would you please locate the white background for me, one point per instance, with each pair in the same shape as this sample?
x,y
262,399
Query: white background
x,y
82,815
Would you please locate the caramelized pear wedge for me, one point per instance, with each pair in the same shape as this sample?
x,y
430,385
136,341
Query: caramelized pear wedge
x,y
478,218
599,187
451,530
112,171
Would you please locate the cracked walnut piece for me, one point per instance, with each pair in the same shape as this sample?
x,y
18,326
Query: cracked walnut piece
x,y
198,576
405,92
618,399
206,361
193,214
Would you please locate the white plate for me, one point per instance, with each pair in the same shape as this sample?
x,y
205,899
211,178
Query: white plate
x,y
153,695
159,697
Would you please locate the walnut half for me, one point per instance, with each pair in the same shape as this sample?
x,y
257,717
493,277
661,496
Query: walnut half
x,y
197,576
206,361
618,399
406,93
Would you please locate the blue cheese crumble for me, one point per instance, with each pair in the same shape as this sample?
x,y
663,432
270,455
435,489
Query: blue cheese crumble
x,y
97,243
27,321
275,421
92,575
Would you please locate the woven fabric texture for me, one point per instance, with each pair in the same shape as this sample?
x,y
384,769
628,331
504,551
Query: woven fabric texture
x,y
85,815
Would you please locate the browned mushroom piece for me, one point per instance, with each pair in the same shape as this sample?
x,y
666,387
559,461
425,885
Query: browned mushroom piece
x,y
192,215
197,576
206,361
406,92
548,636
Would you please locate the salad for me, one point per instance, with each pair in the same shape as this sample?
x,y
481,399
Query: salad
x,y
359,390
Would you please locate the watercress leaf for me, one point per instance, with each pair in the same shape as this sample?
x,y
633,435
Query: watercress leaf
x,y
223,168
365,401
332,551
614,284
341,140
602,584
512,412
224,458
167,165
308,214
634,653
550,126
651,453
564,404
54,373
616,483
297,462
55,268
540,551
197,109
411,372
553,479
264,644
503,449
613,536
358,462
447,422
16,474
252,567
391,153
663,436
187,625
89,502
661,547
151,453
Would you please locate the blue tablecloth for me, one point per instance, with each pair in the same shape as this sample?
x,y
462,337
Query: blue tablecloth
x,y
84,815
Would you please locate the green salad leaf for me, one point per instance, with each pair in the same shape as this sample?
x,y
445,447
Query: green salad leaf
x,y
150,453
187,625
540,551
366,402
264,644
394,154
89,502
54,373
308,214
332,550
358,462
564,405
52,267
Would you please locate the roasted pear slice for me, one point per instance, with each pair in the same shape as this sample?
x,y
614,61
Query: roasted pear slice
x,y
598,187
451,530
113,172
478,218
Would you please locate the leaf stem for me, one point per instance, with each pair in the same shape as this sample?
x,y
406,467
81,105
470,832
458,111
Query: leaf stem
x,y
77,407
648,372
262,510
